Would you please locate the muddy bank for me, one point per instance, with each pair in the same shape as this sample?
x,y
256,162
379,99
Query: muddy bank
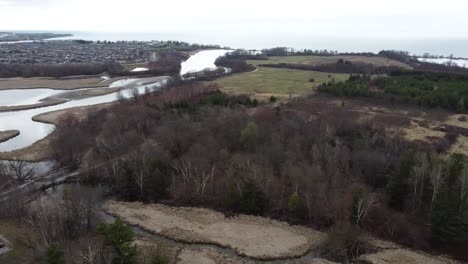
x,y
9,134
79,112
397,256
41,150
69,83
254,237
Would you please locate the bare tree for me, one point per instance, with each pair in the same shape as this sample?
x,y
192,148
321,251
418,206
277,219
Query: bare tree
x,y
436,176
418,178
135,93
20,170
362,206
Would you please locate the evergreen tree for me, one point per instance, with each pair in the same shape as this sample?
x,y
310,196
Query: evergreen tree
x,y
158,180
253,199
397,187
447,219
128,189
54,255
232,198
159,260
120,237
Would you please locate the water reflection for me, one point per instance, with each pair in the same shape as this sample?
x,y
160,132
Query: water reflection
x,y
203,60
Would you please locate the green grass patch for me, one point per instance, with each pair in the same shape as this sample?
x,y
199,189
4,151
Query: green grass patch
x,y
276,81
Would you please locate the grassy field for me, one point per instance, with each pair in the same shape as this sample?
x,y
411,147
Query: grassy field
x,y
265,82
317,60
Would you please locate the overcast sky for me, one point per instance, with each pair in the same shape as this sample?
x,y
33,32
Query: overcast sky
x,y
395,18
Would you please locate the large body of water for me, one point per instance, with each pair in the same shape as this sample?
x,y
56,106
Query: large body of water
x,y
304,40
31,131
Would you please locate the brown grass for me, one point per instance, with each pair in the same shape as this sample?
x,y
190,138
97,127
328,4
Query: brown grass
x,y
9,134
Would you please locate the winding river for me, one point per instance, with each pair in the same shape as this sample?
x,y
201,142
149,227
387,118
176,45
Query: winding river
x,y
32,131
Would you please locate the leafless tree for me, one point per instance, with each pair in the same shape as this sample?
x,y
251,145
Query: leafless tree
x,y
362,206
436,176
20,170
418,178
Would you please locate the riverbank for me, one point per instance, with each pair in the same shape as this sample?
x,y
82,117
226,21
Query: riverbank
x,y
41,150
68,83
9,134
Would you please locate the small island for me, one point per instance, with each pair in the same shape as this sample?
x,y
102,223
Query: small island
x,y
14,36
7,135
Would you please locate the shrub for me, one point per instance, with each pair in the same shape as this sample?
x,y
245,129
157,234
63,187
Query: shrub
x,y
54,255
344,243
296,208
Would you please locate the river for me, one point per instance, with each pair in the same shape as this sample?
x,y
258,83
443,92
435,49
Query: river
x,y
32,131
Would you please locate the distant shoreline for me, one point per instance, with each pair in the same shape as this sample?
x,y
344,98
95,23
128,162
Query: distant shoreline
x,y
17,37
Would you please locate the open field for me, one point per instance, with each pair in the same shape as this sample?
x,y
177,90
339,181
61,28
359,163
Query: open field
x,y
69,83
6,135
317,60
255,237
278,82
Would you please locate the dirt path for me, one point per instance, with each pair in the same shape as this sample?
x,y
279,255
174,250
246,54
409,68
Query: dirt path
x,y
254,237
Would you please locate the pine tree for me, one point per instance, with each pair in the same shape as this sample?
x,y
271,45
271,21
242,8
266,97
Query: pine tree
x,y
398,187
253,199
120,237
158,180
232,198
54,255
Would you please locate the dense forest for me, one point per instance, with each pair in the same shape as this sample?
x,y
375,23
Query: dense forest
x,y
449,91
308,162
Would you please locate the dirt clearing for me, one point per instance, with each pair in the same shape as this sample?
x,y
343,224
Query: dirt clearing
x,y
255,237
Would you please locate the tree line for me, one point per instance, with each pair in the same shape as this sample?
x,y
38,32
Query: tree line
x,y
422,88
